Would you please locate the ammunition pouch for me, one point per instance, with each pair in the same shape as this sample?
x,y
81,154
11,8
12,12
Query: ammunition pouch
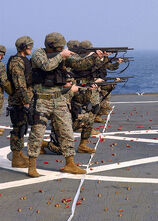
x,y
30,112
75,110
8,88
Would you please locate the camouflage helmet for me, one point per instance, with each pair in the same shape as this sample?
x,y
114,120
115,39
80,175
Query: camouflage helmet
x,y
2,50
86,44
73,44
54,40
22,43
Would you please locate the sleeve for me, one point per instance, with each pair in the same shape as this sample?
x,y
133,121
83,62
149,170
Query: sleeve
x,y
3,74
112,66
18,76
82,63
40,60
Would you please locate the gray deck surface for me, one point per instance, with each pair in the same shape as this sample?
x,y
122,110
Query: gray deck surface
x,y
123,155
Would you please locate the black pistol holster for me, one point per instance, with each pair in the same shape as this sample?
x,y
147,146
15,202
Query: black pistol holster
x,y
18,119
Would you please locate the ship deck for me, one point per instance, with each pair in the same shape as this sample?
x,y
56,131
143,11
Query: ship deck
x,y
122,176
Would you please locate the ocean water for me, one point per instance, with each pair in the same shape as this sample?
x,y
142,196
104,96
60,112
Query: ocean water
x,y
144,69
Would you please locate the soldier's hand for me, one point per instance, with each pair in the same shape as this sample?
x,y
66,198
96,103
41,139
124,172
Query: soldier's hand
x,y
66,53
107,54
99,80
93,86
120,60
68,84
27,106
100,53
118,79
75,88
92,52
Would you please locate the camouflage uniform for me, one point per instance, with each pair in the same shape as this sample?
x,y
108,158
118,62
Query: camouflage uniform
x,y
22,95
104,104
52,105
3,77
85,119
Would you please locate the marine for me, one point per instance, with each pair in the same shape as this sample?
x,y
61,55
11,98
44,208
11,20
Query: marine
x,y
82,120
105,91
20,75
49,77
4,83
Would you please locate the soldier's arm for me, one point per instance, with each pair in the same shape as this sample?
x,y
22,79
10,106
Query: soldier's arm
x,y
112,66
3,74
4,82
40,60
82,63
108,65
17,68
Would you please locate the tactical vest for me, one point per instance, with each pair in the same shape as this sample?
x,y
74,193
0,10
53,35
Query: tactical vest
x,y
27,71
56,77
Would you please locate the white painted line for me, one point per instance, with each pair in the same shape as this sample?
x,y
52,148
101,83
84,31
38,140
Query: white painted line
x,y
83,177
29,181
6,127
133,132
47,135
122,179
10,128
124,164
134,102
130,138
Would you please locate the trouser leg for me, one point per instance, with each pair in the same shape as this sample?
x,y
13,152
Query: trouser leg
x,y
63,127
43,109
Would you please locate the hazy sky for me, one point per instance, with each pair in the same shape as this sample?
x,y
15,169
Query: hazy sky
x,y
132,23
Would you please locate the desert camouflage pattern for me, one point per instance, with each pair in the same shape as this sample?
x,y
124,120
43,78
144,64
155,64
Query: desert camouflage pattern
x,y
2,49
55,40
17,143
86,44
22,95
84,121
57,111
54,108
72,44
104,104
22,43
3,80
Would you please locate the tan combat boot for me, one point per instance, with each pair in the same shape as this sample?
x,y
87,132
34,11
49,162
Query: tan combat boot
x,y
25,158
32,172
18,161
94,132
98,119
1,131
44,145
83,148
71,167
